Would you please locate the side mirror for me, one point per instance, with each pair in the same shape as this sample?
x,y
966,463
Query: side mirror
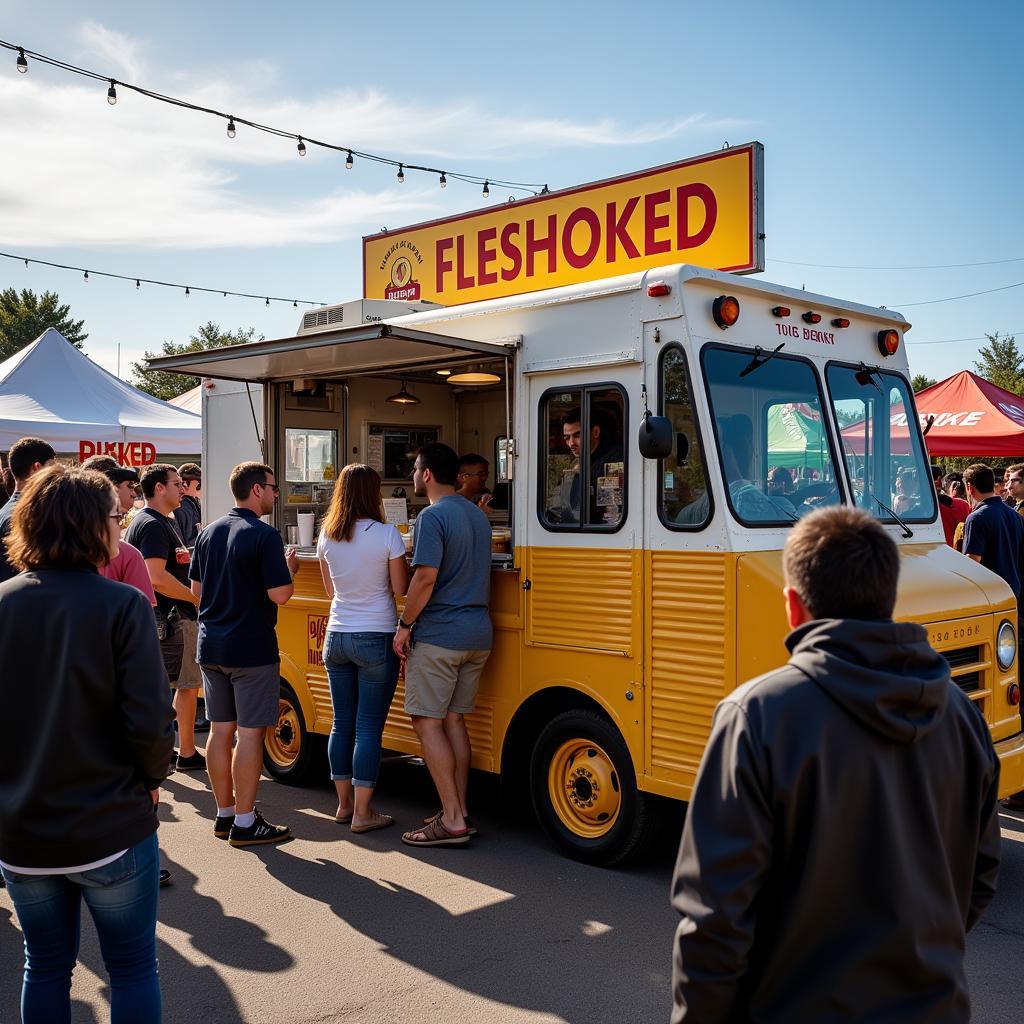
x,y
655,437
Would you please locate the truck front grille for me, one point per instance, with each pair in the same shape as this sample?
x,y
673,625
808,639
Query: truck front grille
x,y
960,658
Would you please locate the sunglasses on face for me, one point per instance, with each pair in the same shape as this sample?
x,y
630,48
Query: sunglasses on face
x,y
273,487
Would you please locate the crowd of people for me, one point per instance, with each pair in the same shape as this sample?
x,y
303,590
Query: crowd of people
x,y
79,792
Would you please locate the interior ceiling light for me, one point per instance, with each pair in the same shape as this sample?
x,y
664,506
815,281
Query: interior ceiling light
x,y
403,397
474,376
444,373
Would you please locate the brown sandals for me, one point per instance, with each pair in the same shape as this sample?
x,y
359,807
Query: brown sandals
x,y
470,826
378,821
434,833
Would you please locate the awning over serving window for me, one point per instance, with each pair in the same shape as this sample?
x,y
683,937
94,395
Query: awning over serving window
x,y
969,417
371,349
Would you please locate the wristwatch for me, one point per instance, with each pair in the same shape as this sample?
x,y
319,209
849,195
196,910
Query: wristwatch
x,y
402,624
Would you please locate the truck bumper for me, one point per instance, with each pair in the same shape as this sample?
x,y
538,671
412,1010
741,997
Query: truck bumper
x,y
1011,764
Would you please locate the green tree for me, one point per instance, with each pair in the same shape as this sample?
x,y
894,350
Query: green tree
x,y
921,381
1002,363
166,385
24,316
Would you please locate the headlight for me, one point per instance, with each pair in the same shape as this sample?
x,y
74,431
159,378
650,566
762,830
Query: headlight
x,y
1006,645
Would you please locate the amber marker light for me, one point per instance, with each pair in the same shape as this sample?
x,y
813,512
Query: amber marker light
x,y
1013,694
840,322
781,311
811,318
726,311
888,342
658,289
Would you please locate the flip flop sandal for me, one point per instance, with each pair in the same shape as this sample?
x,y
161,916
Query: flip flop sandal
x,y
379,821
470,826
435,834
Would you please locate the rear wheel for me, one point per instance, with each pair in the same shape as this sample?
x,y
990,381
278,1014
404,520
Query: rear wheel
x,y
290,750
584,790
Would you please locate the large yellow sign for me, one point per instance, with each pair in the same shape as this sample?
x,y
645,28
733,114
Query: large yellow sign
x,y
706,211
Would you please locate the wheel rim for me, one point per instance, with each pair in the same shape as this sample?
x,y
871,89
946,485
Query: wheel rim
x,y
584,788
285,739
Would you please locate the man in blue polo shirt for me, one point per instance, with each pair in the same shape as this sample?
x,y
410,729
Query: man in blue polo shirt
x,y
994,536
241,573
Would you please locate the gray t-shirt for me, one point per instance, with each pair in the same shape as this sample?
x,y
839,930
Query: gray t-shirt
x,y
454,537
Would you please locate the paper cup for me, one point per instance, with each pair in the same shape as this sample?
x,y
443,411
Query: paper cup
x,y
306,529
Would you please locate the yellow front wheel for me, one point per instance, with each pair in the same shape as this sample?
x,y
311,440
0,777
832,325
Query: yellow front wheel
x,y
584,790
289,750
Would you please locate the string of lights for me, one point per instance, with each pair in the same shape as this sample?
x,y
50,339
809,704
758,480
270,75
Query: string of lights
x,y
303,141
936,266
140,281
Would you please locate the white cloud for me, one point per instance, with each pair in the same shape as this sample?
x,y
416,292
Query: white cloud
x,y
78,172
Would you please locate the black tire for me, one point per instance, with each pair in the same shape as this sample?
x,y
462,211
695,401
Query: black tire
x,y
584,790
291,751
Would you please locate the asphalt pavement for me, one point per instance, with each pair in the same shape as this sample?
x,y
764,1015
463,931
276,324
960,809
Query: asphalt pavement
x,y
332,926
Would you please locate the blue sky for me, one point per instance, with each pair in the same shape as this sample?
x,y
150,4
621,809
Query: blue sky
x,y
891,131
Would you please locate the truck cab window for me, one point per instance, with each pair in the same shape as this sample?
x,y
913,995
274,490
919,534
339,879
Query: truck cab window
x,y
773,445
683,497
883,448
582,464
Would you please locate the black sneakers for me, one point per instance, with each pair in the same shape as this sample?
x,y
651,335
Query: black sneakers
x,y
222,826
258,833
193,763
165,877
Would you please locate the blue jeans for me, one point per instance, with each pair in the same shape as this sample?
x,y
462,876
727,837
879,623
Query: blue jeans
x,y
363,672
122,899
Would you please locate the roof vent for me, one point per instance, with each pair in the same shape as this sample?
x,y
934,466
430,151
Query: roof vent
x,y
359,311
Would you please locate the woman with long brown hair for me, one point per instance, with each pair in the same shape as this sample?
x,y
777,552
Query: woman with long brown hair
x,y
362,561
79,789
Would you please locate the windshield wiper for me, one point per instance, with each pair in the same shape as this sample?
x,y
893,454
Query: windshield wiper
x,y
907,531
758,361
866,375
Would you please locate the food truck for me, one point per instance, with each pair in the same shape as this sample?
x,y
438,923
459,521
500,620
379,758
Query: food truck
x,y
636,579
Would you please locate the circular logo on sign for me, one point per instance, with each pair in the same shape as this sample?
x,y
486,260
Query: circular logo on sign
x,y
401,272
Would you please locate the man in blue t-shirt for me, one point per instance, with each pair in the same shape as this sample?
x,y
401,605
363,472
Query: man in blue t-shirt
x,y
444,637
240,573
993,532
994,536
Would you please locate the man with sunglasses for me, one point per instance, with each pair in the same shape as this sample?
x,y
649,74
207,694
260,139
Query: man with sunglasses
x,y
189,513
240,573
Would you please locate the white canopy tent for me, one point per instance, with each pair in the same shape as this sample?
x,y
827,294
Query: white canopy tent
x,y
53,391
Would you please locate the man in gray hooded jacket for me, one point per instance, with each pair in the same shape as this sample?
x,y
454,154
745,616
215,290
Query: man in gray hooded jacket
x,y
843,836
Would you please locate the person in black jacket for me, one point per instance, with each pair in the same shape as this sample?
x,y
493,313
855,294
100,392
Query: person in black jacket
x,y
842,837
86,734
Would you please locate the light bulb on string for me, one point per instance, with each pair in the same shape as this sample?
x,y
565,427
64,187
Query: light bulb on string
x,y
86,277
295,305
187,292
487,190
444,180
26,264
268,302
111,94
21,62
231,126
544,191
137,284
401,174
301,147
348,161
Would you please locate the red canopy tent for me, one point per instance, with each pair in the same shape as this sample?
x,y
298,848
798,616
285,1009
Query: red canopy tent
x,y
969,416
972,417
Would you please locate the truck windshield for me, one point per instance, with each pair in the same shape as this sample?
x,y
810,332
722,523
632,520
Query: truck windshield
x,y
882,446
773,445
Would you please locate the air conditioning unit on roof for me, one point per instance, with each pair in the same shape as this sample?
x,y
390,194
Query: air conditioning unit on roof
x,y
356,312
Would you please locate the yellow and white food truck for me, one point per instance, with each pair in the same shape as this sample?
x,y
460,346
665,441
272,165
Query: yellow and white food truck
x,y
636,579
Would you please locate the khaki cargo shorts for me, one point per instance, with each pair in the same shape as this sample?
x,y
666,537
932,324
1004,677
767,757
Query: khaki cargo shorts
x,y
439,680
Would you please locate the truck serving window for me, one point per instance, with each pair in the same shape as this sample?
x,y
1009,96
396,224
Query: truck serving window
x,y
773,443
684,500
882,446
582,461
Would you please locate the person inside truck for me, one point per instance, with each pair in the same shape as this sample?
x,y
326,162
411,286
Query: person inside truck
x,y
606,458
471,481
750,503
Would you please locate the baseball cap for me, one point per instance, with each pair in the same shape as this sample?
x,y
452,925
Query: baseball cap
x,y
122,473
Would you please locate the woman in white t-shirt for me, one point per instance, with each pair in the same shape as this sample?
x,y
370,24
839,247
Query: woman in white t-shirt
x,y
362,561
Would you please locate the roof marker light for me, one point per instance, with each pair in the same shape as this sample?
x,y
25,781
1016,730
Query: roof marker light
x,y
657,289
726,311
811,318
781,311
888,342
840,322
